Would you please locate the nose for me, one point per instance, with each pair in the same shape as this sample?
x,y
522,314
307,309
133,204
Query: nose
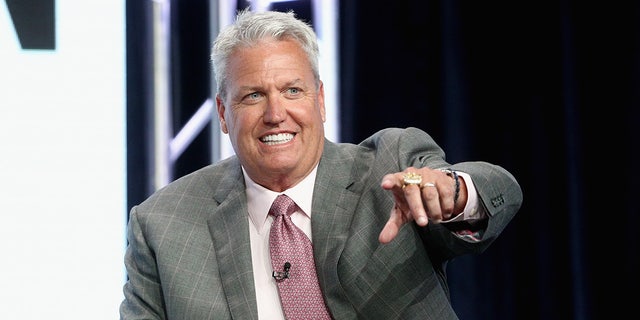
x,y
275,110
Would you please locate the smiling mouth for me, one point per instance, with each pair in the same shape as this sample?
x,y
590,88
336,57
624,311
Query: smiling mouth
x,y
279,138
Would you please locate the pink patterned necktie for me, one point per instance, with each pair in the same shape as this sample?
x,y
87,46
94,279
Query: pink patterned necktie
x,y
292,262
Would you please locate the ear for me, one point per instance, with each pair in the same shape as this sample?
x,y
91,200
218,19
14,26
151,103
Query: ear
x,y
321,101
221,118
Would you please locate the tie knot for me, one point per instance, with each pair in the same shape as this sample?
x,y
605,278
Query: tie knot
x,y
282,205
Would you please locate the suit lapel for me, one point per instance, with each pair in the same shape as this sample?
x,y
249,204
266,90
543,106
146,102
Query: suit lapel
x,y
229,230
333,203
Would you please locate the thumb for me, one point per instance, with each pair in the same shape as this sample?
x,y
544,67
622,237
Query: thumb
x,y
392,226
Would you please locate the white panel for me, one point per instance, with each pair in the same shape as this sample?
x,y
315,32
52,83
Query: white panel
x,y
62,167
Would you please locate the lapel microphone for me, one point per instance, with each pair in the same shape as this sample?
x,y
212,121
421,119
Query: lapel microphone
x,y
279,276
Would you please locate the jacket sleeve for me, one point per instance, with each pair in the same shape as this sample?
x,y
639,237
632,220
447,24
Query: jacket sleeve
x,y
142,290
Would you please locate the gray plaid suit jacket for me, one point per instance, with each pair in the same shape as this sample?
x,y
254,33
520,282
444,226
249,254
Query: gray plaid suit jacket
x,y
189,255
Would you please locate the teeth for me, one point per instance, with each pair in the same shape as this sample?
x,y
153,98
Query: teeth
x,y
277,138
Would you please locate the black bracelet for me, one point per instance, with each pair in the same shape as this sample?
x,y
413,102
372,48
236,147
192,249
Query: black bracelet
x,y
454,175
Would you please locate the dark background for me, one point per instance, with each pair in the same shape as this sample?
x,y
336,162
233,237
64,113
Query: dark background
x,y
548,90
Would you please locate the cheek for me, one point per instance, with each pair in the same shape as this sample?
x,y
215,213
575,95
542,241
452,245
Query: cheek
x,y
242,120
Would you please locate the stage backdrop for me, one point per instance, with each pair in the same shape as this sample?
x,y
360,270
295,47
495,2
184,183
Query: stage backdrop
x,y
62,166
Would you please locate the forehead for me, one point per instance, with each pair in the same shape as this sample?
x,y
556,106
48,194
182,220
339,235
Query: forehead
x,y
273,59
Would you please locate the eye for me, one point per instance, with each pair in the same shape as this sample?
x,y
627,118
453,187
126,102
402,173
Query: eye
x,y
293,92
252,98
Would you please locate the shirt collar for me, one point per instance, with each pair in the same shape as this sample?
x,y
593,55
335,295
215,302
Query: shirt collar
x,y
259,198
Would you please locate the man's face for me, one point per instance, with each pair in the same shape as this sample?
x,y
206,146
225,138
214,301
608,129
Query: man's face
x,y
274,113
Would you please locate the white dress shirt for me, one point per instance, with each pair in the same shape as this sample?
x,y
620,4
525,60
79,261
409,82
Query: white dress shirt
x,y
259,200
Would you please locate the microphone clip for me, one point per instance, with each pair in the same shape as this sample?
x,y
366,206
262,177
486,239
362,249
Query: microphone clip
x,y
280,276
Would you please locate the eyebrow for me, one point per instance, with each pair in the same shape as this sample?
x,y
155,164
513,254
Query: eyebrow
x,y
296,81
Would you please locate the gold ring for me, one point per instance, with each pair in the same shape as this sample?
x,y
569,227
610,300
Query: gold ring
x,y
429,184
411,178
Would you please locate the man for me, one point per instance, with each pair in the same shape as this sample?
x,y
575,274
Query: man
x,y
384,216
